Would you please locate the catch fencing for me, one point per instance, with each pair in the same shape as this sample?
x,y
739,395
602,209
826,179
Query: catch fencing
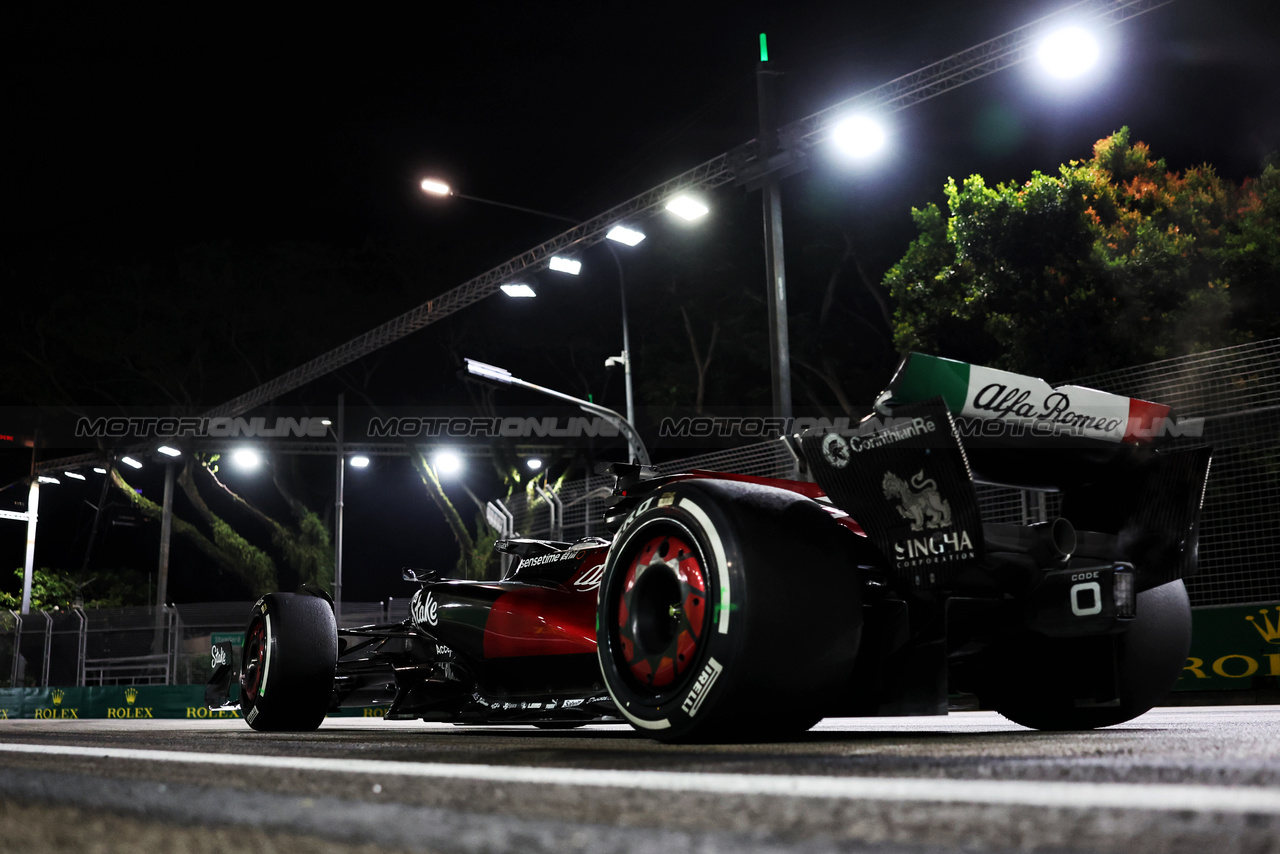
x,y
138,645
1235,390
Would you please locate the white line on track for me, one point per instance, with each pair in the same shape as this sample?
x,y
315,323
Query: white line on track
x,y
1020,793
1163,797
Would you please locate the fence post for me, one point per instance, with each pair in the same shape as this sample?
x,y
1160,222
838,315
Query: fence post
x,y
82,646
48,648
14,681
171,665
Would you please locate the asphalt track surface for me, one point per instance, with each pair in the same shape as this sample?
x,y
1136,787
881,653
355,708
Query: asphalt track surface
x,y
1181,780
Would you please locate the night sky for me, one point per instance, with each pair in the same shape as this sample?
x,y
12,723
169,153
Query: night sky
x,y
132,133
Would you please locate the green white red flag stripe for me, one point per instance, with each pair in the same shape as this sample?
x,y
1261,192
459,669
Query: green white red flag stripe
x,y
976,392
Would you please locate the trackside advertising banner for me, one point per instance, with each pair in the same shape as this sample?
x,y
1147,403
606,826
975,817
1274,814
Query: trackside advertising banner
x,y
125,702
1233,648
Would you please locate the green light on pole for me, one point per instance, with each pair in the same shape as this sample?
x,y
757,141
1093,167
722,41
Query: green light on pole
x,y
764,49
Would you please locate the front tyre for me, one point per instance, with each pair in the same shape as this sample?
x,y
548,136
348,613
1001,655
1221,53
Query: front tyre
x,y
727,611
289,660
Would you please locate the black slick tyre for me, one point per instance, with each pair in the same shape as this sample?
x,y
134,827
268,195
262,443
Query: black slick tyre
x,y
288,663
1045,682
727,611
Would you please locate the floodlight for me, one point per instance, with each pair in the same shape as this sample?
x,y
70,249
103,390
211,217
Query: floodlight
x,y
622,234
566,265
533,463
687,207
169,452
1068,52
360,461
74,475
439,188
44,478
859,136
518,290
130,461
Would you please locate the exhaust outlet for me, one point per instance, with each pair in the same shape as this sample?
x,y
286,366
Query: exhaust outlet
x,y
1045,542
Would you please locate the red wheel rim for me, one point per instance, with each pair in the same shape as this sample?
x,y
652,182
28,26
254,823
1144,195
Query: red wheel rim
x,y
662,610
255,655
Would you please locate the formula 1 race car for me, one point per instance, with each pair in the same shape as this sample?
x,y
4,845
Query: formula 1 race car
x,y
729,607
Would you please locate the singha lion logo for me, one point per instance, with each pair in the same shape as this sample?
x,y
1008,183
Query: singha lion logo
x,y
920,502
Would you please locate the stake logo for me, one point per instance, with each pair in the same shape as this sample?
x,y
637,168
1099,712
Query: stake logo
x,y
425,609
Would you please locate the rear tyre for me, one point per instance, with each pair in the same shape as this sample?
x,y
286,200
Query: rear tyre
x,y
1045,683
728,611
289,659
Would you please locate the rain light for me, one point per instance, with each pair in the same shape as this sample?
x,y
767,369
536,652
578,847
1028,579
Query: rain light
x,y
130,461
448,463
566,265
439,188
518,290
859,136
622,234
1068,52
247,458
74,475
360,462
687,207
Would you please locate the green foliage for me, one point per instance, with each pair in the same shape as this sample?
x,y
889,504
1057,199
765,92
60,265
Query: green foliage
x,y
54,589
1113,261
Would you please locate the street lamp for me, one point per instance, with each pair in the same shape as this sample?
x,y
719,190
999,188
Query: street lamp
x,y
502,376
684,206
447,463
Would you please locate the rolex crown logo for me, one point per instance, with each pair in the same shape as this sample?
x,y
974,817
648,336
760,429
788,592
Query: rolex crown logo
x,y
1270,631
130,695
58,694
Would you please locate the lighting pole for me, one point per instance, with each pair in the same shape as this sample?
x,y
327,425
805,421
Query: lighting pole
x,y
775,268
339,489
502,376
440,188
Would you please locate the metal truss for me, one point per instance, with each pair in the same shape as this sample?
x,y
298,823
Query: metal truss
x,y
975,63
738,165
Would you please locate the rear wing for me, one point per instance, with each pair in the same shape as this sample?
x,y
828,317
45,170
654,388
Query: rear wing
x,y
907,473
1028,406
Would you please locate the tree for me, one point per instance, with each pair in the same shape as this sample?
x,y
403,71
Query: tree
x,y
1114,261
